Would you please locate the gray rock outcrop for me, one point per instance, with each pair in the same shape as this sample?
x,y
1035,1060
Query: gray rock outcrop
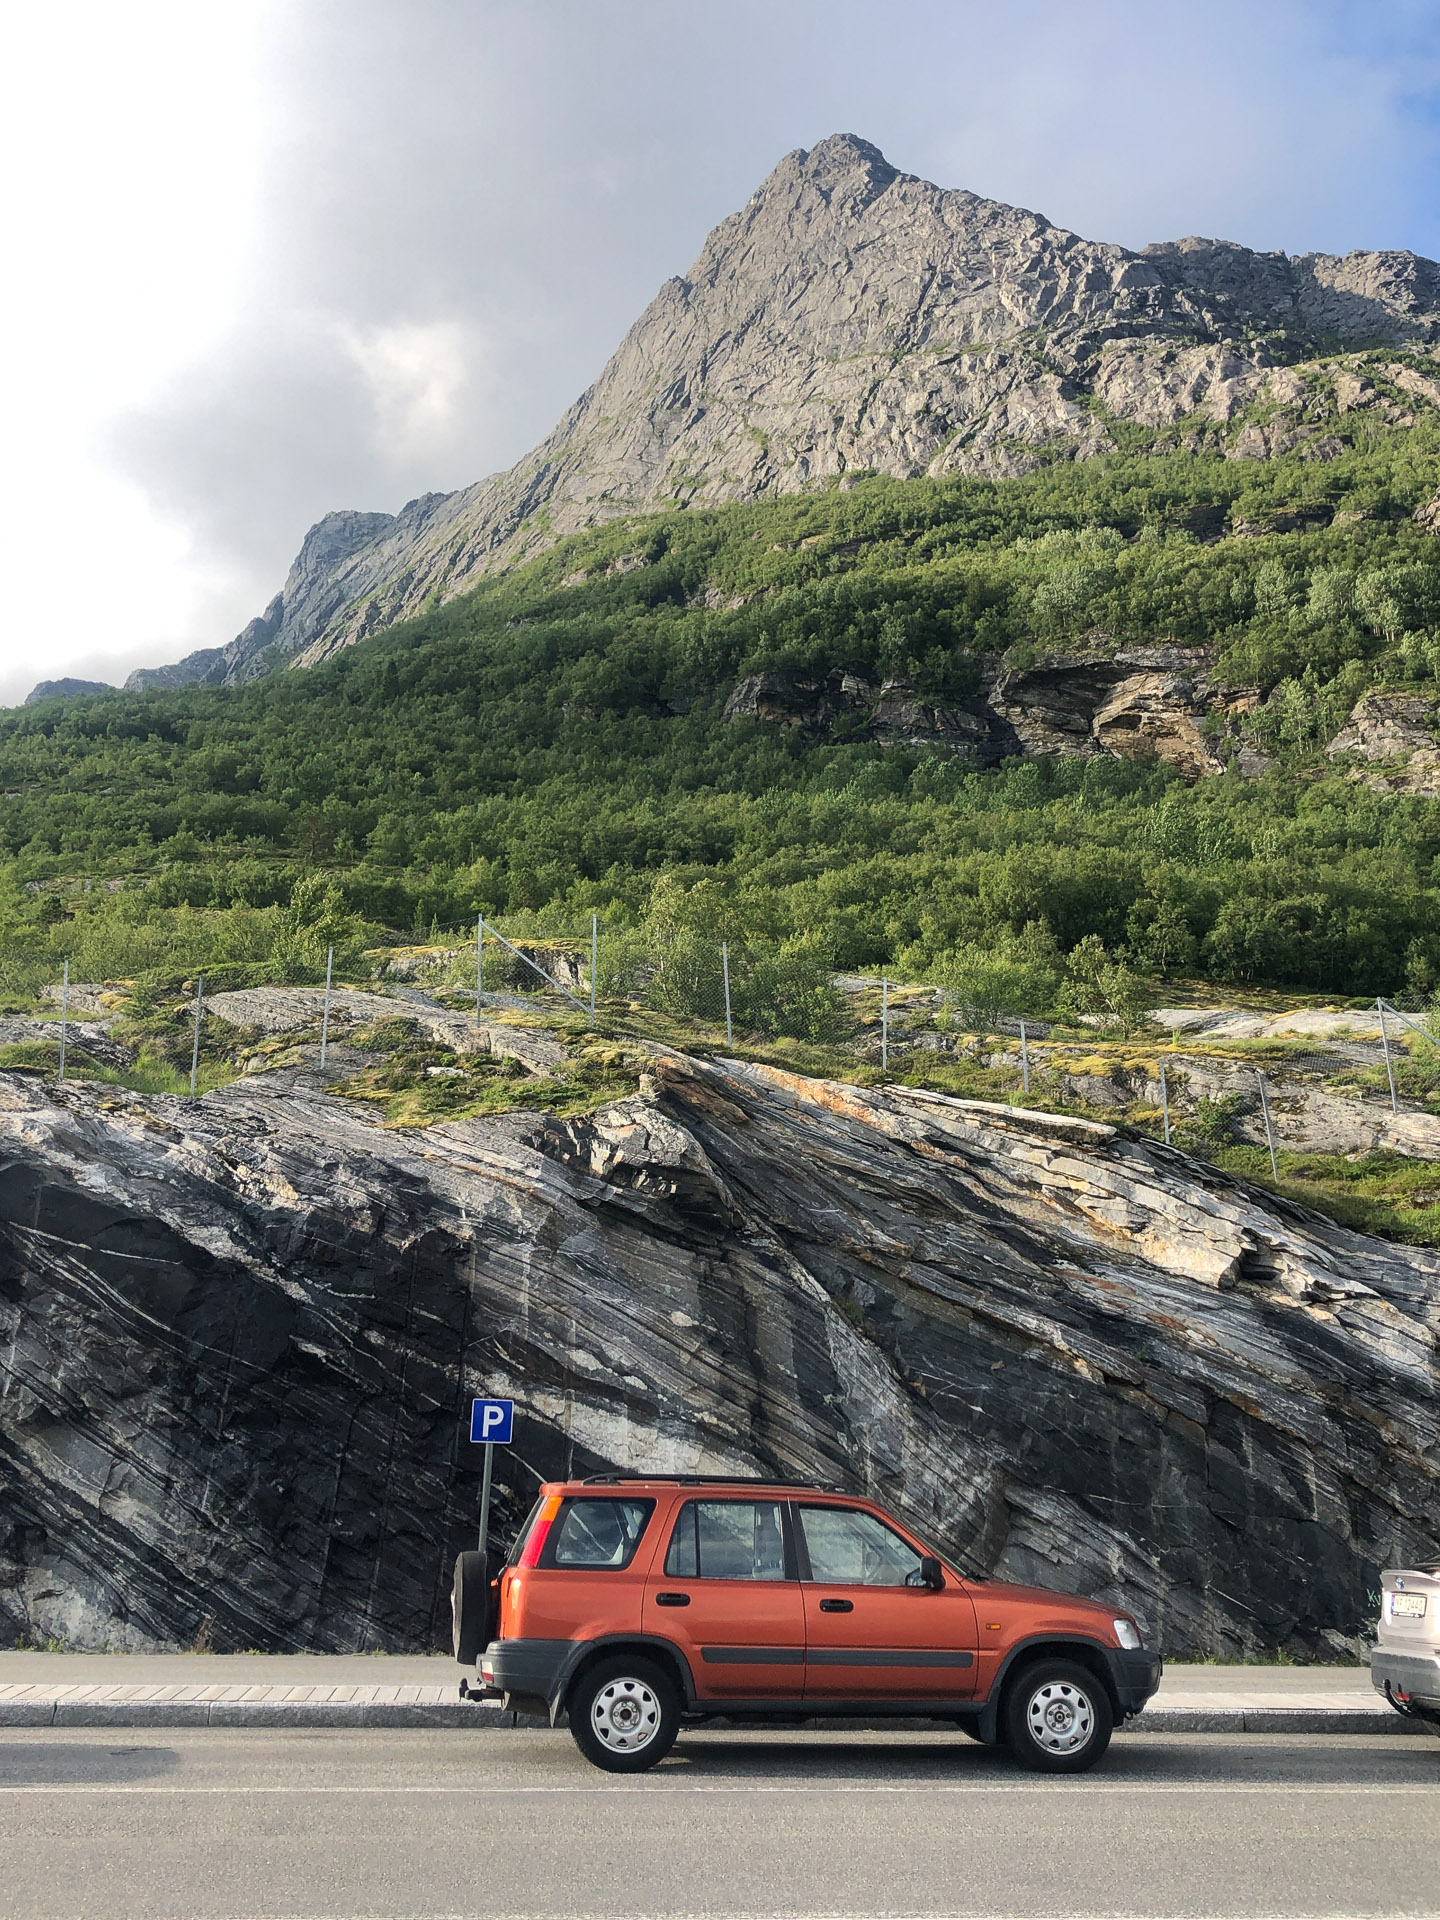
x,y
238,1336
1398,728
63,689
1134,702
852,318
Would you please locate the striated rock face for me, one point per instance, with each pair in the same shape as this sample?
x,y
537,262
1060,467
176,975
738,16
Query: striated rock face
x,y
854,318
238,1336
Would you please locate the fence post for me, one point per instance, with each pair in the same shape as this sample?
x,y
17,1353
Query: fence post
x,y
884,1024
195,1049
479,965
725,970
64,1014
1024,1059
1165,1102
1269,1131
325,1013
594,960
1389,1064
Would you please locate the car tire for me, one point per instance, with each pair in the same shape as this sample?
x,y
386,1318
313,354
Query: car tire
x,y
1057,1717
472,1607
624,1714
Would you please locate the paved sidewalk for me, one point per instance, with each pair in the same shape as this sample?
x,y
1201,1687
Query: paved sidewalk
x,y
235,1690
318,1690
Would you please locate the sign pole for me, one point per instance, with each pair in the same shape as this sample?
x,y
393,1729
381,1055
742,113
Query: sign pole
x,y
492,1422
485,1495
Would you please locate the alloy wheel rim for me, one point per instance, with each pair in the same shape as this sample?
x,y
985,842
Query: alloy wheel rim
x,y
625,1715
1061,1717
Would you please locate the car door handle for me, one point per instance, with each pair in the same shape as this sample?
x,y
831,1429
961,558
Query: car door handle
x,y
837,1606
672,1599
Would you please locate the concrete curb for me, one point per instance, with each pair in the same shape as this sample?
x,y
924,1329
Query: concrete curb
x,y
222,1713
464,1716
1272,1720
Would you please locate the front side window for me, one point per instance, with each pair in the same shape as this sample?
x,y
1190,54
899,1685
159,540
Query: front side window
x,y
598,1533
727,1540
855,1549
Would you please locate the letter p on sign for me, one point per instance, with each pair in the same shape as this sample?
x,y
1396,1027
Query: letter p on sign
x,y
491,1422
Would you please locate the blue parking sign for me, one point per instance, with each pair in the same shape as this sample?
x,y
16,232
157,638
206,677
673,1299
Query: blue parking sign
x,y
491,1422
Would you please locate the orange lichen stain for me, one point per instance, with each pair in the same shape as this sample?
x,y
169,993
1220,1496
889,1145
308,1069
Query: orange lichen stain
x,y
833,1095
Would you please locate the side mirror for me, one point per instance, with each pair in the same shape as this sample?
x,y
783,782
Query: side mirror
x,y
932,1574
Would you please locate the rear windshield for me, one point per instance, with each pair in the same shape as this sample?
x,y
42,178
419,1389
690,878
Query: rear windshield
x,y
513,1558
597,1533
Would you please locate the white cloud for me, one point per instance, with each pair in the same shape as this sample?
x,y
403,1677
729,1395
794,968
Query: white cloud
x,y
130,138
417,376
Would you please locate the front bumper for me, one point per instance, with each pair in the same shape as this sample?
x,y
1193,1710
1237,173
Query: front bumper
x,y
1134,1675
1416,1675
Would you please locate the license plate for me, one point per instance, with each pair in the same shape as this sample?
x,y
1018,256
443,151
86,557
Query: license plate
x,y
1412,1604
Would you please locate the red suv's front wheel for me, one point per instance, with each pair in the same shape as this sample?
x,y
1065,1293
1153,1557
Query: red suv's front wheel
x,y
1057,1717
624,1714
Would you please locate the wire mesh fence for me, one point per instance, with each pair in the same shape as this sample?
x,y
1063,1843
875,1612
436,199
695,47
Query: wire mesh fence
x,y
1337,1081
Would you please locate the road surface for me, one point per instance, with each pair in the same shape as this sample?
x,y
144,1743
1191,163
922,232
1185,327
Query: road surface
x,y
337,1825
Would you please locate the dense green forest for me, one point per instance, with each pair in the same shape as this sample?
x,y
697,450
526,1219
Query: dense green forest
x,y
554,743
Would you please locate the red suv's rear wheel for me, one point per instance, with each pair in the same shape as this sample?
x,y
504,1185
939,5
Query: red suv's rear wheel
x,y
1057,1717
624,1714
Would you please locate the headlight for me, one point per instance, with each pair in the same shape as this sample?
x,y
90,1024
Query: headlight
x,y
1126,1632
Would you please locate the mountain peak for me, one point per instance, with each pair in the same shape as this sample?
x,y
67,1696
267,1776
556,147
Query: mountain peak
x,y
841,154
842,166
854,318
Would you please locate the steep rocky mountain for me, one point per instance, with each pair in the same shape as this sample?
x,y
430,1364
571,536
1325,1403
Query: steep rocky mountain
x,y
854,318
314,594
238,1335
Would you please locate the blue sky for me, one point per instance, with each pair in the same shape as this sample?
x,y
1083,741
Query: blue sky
x,y
292,255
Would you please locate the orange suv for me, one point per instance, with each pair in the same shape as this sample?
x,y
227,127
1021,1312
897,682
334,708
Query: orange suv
x,y
636,1605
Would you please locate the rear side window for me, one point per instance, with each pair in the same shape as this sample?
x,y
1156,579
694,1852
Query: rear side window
x,y
597,1533
727,1540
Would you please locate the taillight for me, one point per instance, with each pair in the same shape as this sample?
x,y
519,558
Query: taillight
x,y
539,1532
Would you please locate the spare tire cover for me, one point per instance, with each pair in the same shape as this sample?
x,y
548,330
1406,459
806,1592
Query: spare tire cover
x,y
471,1601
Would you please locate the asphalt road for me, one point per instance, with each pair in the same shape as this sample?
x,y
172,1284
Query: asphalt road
x,y
343,1825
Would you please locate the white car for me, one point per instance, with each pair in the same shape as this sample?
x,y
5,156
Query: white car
x,y
1405,1660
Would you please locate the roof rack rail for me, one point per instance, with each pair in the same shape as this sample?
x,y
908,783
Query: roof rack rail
x,y
708,1480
